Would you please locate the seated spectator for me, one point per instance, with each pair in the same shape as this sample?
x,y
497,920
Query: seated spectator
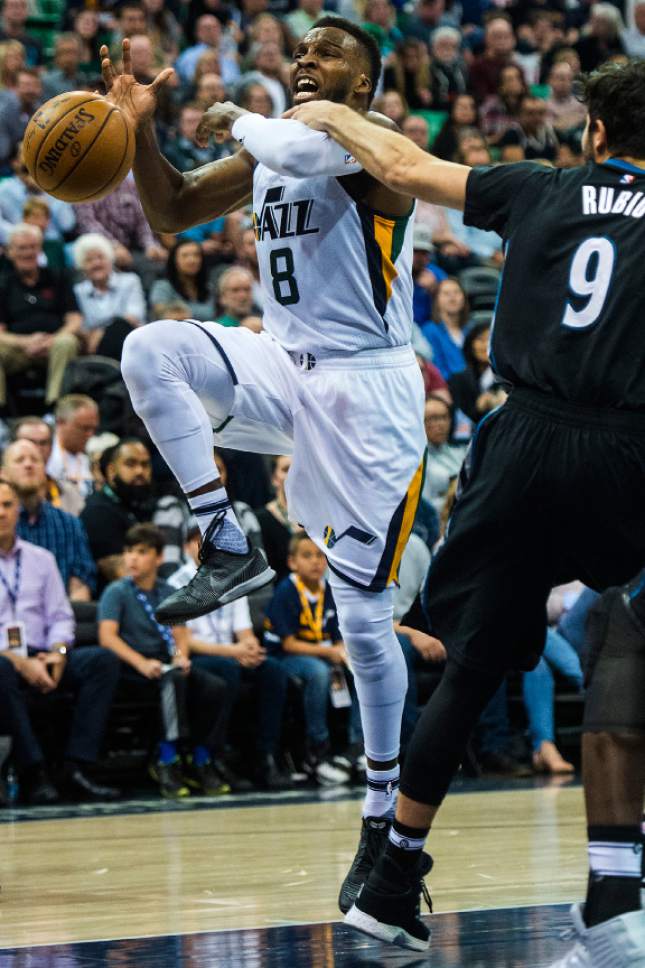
x,y
498,53
446,332
564,110
424,18
415,127
146,61
163,28
60,494
39,317
65,75
634,37
183,151
209,90
426,275
276,525
12,61
302,19
254,97
208,36
13,27
570,154
92,35
20,188
223,643
463,114
37,657
448,71
16,109
132,21
127,498
235,297
472,246
36,212
433,382
393,106
269,68
301,629
97,447
601,36
46,526
112,303
444,459
501,110
155,663
532,137
77,419
475,390
380,22
120,218
186,280
539,700
247,257
409,74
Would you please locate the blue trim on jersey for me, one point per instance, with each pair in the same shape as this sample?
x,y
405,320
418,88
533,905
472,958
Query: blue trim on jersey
x,y
620,165
227,362
491,355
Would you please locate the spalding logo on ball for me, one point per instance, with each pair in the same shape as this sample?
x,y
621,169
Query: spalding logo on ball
x,y
78,147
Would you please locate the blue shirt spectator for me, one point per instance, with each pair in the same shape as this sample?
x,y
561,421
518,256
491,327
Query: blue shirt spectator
x,y
445,333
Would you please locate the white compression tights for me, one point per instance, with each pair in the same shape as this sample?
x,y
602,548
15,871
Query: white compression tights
x,y
380,672
169,368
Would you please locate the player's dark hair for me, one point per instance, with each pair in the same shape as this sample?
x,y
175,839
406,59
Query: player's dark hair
x,y
366,41
615,95
201,279
148,535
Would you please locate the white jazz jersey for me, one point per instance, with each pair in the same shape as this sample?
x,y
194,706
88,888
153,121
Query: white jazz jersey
x,y
337,275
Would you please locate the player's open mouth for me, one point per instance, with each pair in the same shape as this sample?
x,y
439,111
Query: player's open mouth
x,y
304,89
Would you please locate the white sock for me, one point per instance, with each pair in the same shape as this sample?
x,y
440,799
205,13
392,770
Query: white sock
x,y
609,859
382,791
229,536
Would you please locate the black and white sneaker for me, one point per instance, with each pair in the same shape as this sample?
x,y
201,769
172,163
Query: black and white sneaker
x,y
222,577
374,834
389,903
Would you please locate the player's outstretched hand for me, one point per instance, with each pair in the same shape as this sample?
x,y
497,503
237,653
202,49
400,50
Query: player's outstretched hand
x,y
317,114
137,101
218,121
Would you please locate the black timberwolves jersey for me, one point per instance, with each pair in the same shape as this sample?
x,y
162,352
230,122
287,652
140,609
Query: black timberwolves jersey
x,y
570,315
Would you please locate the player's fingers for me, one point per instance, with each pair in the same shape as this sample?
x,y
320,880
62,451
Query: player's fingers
x,y
127,57
107,68
162,78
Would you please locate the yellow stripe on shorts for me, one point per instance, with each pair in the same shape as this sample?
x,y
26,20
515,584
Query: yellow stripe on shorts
x,y
412,498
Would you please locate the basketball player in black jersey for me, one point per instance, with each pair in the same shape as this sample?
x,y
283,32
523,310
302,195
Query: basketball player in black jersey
x,y
552,490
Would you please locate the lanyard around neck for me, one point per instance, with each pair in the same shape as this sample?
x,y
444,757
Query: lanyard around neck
x,y
314,622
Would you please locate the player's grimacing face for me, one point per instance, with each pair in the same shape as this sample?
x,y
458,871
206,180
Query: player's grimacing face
x,y
326,66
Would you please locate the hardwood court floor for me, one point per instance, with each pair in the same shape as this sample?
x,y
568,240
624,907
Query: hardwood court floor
x,y
176,873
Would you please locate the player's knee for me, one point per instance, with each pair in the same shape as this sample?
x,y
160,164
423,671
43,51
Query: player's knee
x,y
615,668
146,349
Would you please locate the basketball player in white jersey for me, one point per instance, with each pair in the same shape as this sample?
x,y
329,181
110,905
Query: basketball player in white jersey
x,y
332,378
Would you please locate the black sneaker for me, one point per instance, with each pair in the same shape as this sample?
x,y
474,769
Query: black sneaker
x,y
222,577
172,785
206,779
388,906
374,834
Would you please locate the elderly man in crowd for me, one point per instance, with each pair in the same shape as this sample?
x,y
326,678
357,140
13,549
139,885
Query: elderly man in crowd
x,y
37,657
65,75
46,526
77,419
235,297
39,317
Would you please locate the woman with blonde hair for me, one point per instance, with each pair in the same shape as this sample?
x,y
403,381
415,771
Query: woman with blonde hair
x,y
408,72
12,60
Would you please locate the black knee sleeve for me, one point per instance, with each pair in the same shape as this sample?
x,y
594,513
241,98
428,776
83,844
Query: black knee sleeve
x,y
615,666
439,740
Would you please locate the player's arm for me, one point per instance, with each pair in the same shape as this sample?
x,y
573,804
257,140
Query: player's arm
x,y
285,146
390,157
171,200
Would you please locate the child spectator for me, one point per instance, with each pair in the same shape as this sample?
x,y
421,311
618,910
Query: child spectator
x,y
155,662
301,628
223,643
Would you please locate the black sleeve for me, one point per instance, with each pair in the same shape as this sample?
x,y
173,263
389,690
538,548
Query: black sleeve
x,y
495,193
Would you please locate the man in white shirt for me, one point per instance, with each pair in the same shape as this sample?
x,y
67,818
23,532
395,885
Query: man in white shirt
x,y
77,419
223,644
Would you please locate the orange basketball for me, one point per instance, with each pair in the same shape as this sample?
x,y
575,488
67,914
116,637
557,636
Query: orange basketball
x,y
78,147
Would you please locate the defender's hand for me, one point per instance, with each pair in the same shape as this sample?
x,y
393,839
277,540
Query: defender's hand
x,y
137,101
218,121
318,114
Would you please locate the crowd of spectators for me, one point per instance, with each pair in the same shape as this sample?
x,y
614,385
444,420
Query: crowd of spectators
x,y
470,80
